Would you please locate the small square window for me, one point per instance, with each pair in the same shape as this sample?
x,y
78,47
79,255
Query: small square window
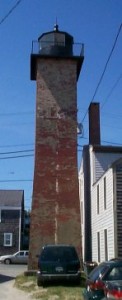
x,y
8,239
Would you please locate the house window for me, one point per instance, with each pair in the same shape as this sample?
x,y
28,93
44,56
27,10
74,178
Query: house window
x,y
98,199
104,192
0,215
8,239
106,244
98,245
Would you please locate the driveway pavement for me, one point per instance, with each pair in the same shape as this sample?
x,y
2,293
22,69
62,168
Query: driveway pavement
x,y
9,292
8,274
11,271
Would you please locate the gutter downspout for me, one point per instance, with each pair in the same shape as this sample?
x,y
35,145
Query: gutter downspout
x,y
19,230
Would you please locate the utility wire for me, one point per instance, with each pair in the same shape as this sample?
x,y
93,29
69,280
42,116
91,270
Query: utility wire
x,y
18,145
16,180
112,143
104,70
107,142
109,57
12,152
10,11
112,89
31,155
18,156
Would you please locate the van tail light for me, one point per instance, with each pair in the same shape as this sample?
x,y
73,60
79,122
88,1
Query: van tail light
x,y
97,285
114,294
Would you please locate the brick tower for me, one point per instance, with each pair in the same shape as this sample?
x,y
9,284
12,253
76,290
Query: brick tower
x,y
55,217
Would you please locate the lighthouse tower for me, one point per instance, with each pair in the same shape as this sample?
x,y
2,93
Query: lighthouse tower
x,y
55,217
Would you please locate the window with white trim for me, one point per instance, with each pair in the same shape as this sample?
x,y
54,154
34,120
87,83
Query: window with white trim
x,y
0,215
8,239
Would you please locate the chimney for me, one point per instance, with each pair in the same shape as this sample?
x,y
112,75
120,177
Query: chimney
x,y
94,124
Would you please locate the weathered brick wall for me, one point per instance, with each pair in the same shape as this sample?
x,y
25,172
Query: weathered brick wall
x,y
55,214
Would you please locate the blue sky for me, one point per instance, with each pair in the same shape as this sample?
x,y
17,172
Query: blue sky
x,y
92,22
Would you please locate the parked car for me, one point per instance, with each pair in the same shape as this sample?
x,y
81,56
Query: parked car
x,y
20,257
113,290
101,275
58,262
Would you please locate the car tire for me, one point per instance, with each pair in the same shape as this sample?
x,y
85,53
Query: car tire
x,y
7,261
78,281
39,282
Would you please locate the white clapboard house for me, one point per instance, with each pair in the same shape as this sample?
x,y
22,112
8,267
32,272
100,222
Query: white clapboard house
x,y
100,190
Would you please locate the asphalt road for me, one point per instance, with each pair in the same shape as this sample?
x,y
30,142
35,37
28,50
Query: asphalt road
x,y
7,289
9,272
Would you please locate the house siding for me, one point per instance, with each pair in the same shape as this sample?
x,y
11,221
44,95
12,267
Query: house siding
x,y
103,220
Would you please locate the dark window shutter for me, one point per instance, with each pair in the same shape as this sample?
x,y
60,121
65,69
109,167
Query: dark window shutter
x,y
1,239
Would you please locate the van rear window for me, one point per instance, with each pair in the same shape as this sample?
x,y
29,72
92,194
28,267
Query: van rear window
x,y
59,254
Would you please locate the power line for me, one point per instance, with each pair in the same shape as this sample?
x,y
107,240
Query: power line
x,y
16,180
10,11
108,142
104,70
109,57
112,143
12,152
18,156
18,145
112,89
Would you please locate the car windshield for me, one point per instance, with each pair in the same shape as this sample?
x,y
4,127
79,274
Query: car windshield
x,y
15,254
98,272
114,274
59,254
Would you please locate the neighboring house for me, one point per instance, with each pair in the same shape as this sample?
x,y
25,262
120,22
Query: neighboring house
x,y
11,221
95,183
100,190
106,214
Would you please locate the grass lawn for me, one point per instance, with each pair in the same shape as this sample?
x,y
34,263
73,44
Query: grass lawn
x,y
49,292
